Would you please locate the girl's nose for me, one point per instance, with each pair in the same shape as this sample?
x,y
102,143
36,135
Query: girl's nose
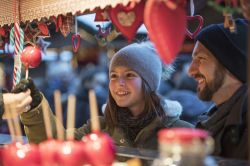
x,y
121,81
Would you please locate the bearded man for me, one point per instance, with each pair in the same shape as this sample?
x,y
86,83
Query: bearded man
x,y
219,66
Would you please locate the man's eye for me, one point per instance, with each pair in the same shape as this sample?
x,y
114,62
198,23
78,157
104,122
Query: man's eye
x,y
202,58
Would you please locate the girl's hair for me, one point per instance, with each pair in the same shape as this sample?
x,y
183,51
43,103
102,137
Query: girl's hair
x,y
152,103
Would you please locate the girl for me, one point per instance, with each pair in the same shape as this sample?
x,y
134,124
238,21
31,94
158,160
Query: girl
x,y
134,112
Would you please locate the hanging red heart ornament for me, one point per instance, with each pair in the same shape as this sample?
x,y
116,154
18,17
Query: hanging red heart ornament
x,y
43,28
127,19
166,25
76,41
2,32
101,15
198,29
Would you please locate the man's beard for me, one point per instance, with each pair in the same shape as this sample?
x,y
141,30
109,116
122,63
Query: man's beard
x,y
211,87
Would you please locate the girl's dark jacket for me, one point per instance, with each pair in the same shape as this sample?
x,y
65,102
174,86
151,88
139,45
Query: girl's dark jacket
x,y
146,138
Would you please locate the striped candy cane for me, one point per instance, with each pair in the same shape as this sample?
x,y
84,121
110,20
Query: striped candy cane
x,y
17,39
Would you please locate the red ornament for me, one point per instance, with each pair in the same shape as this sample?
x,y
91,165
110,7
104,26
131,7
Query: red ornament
x,y
2,32
101,15
166,26
127,19
76,41
31,56
99,145
43,28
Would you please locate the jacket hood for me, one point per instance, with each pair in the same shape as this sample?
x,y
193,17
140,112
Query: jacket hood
x,y
172,108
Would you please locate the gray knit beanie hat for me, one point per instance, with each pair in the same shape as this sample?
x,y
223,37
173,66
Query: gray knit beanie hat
x,y
141,58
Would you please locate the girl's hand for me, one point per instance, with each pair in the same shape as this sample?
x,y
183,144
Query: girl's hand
x,y
18,103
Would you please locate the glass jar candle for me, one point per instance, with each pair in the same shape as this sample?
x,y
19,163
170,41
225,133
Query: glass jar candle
x,y
183,146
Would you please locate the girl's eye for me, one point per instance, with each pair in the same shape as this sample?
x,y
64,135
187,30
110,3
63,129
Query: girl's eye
x,y
130,75
113,76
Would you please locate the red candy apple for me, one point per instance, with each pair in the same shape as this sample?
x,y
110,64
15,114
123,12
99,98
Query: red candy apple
x,y
99,149
31,56
71,153
49,150
21,154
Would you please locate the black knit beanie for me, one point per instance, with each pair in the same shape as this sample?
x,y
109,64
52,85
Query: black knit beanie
x,y
141,58
230,49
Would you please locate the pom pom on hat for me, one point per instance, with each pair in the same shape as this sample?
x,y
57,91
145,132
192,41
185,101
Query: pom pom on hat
x,y
141,58
230,49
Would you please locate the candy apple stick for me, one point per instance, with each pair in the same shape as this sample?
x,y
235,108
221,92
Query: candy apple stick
x,y
58,108
95,124
46,119
71,117
17,125
10,122
26,73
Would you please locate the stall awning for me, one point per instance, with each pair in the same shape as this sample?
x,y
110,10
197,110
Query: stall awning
x,y
37,9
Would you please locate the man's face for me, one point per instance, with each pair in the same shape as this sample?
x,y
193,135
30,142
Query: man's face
x,y
207,71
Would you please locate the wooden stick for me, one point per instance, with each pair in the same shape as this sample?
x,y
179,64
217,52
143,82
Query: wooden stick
x,y
46,119
16,123
95,124
10,122
26,73
71,117
58,108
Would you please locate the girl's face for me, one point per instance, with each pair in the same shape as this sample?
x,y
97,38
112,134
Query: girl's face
x,y
125,87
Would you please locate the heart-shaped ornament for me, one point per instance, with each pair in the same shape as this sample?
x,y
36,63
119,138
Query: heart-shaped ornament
x,y
43,28
67,22
2,32
101,15
200,21
76,41
166,27
127,19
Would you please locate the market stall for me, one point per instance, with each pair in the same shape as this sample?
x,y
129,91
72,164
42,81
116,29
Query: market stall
x,y
25,24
